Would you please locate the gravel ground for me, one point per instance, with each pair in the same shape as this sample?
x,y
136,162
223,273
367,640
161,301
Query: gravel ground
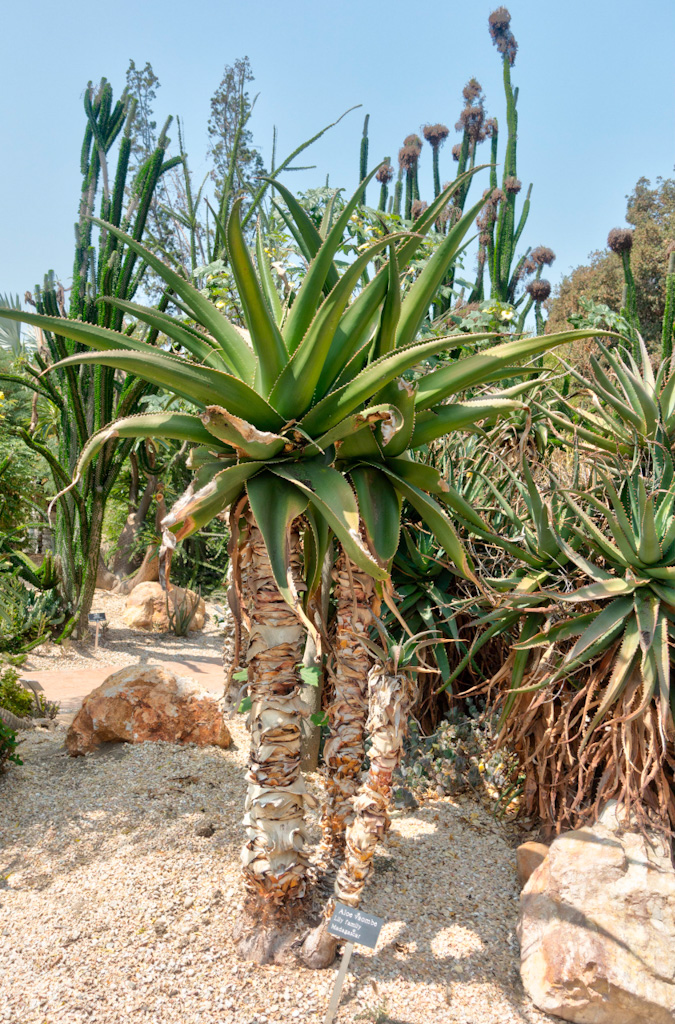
x,y
114,909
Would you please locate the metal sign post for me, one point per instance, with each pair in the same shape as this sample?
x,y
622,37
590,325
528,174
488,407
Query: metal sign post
x,y
97,618
357,927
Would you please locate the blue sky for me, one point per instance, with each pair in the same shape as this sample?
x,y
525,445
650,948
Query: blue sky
x,y
596,77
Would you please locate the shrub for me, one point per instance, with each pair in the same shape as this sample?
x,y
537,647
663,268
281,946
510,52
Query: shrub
x,y
8,745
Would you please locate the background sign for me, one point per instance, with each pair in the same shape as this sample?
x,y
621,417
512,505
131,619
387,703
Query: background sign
x,y
97,616
354,925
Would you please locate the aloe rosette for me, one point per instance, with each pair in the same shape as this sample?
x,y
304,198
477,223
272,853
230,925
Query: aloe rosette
x,y
621,659
307,415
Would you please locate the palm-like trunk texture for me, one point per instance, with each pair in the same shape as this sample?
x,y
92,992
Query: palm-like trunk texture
x,y
388,704
344,751
273,857
389,697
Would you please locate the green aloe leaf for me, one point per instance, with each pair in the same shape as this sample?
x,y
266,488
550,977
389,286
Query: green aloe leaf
x,y
200,346
330,410
487,365
437,422
437,521
266,278
293,390
175,425
202,385
307,299
391,310
307,230
193,511
333,498
265,336
621,672
276,504
600,591
235,349
416,303
380,509
355,327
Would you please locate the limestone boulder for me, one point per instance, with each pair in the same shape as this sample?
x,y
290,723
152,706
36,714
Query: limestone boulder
x,y
528,858
140,703
146,607
597,928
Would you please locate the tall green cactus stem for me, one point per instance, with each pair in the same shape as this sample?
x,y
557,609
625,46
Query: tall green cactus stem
x,y
384,193
88,398
630,302
398,190
409,196
363,162
669,311
437,172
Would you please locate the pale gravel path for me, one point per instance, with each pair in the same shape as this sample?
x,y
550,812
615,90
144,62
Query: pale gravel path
x,y
113,910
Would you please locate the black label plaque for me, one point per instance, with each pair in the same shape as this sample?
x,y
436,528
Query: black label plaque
x,y
354,925
97,616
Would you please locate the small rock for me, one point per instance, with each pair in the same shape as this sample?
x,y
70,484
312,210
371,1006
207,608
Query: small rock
x,y
188,902
206,830
161,926
528,858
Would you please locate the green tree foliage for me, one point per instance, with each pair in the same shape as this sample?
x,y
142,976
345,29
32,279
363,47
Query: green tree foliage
x,y
230,105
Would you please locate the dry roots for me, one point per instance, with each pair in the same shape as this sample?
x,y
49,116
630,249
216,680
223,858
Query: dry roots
x,y
566,785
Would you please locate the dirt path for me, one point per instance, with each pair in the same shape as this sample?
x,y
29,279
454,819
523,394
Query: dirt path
x,y
67,674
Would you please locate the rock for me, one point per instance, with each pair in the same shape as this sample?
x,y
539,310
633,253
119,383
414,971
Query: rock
x,y
597,928
139,703
205,831
146,607
528,857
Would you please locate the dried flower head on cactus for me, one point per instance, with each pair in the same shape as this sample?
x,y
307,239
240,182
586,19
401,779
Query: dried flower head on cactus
x,y
407,157
435,134
499,24
620,240
539,289
385,174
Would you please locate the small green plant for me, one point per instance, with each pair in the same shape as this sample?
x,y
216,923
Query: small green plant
x,y
13,696
181,613
8,745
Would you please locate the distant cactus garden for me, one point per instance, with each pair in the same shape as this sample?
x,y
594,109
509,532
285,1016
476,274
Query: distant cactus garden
x,y
366,412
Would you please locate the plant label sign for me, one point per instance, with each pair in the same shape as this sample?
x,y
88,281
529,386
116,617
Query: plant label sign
x,y
354,925
97,616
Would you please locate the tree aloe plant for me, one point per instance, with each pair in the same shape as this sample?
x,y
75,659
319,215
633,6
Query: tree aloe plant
x,y
304,425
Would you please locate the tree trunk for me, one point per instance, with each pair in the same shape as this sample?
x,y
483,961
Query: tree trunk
x,y
389,697
274,860
344,751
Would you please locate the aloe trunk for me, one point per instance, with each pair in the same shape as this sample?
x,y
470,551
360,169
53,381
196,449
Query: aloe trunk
x,y
273,857
388,702
388,699
344,752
